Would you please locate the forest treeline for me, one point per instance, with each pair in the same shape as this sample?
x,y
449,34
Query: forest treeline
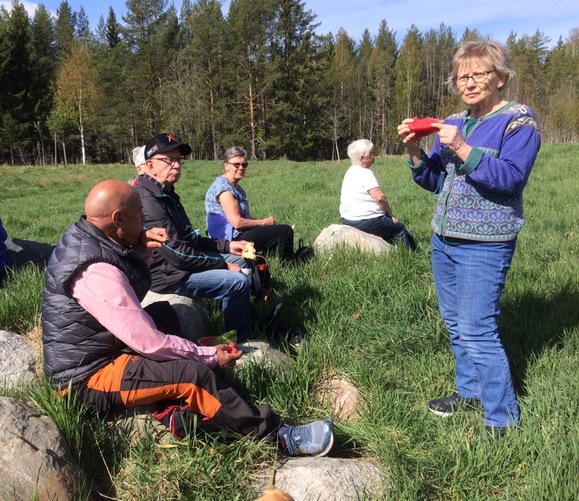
x,y
261,77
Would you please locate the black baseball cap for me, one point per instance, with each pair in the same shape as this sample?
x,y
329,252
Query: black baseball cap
x,y
160,143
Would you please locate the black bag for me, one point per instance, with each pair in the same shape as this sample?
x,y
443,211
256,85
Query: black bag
x,y
260,279
277,329
304,252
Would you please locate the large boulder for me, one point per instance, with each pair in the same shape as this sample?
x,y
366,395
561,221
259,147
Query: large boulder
x,y
35,462
192,313
17,360
341,235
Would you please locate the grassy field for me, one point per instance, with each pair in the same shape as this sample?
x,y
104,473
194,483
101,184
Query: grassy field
x,y
371,319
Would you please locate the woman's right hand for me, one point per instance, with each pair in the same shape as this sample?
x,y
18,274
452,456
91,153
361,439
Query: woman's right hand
x,y
410,140
268,221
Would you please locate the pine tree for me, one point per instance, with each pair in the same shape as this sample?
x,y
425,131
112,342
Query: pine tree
x,y
201,68
409,76
146,22
44,63
382,65
113,29
296,113
16,74
64,29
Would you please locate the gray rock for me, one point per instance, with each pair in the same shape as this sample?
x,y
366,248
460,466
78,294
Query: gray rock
x,y
192,313
17,360
331,479
341,235
258,350
34,457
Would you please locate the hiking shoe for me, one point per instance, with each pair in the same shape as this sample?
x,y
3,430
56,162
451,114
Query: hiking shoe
x,y
314,439
447,406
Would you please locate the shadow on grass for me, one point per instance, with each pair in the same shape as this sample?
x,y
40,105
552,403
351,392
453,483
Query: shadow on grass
x,y
532,324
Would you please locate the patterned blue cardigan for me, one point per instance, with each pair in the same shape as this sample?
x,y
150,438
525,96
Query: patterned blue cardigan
x,y
482,199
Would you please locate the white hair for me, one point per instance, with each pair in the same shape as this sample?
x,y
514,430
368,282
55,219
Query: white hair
x,y
139,156
359,148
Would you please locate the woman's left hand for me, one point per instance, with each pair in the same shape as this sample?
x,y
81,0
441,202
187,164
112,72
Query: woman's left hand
x,y
450,137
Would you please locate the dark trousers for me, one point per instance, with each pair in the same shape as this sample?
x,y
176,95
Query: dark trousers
x,y
385,228
272,238
131,381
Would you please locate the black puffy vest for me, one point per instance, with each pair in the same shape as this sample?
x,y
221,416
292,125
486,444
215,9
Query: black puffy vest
x,y
75,344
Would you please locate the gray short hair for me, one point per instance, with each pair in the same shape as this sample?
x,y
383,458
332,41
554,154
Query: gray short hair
x,y
488,51
359,148
235,151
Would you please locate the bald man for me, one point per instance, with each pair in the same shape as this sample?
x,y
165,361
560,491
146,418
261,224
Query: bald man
x,y
103,346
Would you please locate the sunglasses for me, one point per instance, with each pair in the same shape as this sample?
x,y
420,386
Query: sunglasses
x,y
239,165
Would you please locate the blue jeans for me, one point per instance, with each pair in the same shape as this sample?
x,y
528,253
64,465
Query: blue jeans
x,y
385,228
469,279
230,287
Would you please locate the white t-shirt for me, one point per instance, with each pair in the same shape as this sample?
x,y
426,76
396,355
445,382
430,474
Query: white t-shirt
x,y
355,201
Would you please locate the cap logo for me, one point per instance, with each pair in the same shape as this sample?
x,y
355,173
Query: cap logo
x,y
151,151
170,138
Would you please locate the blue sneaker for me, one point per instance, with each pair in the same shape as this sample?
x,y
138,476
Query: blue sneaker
x,y
314,439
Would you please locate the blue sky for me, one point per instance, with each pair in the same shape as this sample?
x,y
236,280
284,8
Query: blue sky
x,y
494,18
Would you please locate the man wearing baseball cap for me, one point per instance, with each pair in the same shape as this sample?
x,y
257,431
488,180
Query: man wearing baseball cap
x,y
188,264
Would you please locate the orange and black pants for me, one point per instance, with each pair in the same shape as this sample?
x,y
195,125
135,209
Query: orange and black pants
x,y
130,381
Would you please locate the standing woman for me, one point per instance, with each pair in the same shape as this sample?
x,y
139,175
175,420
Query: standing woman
x,y
363,204
478,167
228,214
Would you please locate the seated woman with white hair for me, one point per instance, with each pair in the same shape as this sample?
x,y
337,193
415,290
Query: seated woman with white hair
x,y
363,204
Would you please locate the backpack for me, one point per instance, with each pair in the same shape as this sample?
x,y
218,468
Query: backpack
x,y
261,279
303,253
276,329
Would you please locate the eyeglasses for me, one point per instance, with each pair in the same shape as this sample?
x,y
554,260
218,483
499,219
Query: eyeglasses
x,y
239,165
169,161
477,77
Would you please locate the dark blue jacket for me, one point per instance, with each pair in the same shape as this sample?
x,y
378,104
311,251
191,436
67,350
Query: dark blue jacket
x,y
75,344
186,251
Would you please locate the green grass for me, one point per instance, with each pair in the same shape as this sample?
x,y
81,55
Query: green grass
x,y
372,319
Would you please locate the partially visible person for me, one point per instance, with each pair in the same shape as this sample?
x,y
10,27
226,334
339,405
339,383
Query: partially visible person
x,y
363,204
478,168
139,161
228,214
4,255
187,263
101,345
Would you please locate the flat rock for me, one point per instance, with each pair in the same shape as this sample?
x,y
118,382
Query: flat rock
x,y
331,479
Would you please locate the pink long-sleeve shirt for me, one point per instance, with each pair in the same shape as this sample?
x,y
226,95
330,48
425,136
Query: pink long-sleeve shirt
x,y
105,292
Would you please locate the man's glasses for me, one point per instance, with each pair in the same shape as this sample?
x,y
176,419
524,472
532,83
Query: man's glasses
x,y
170,161
477,77
239,165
